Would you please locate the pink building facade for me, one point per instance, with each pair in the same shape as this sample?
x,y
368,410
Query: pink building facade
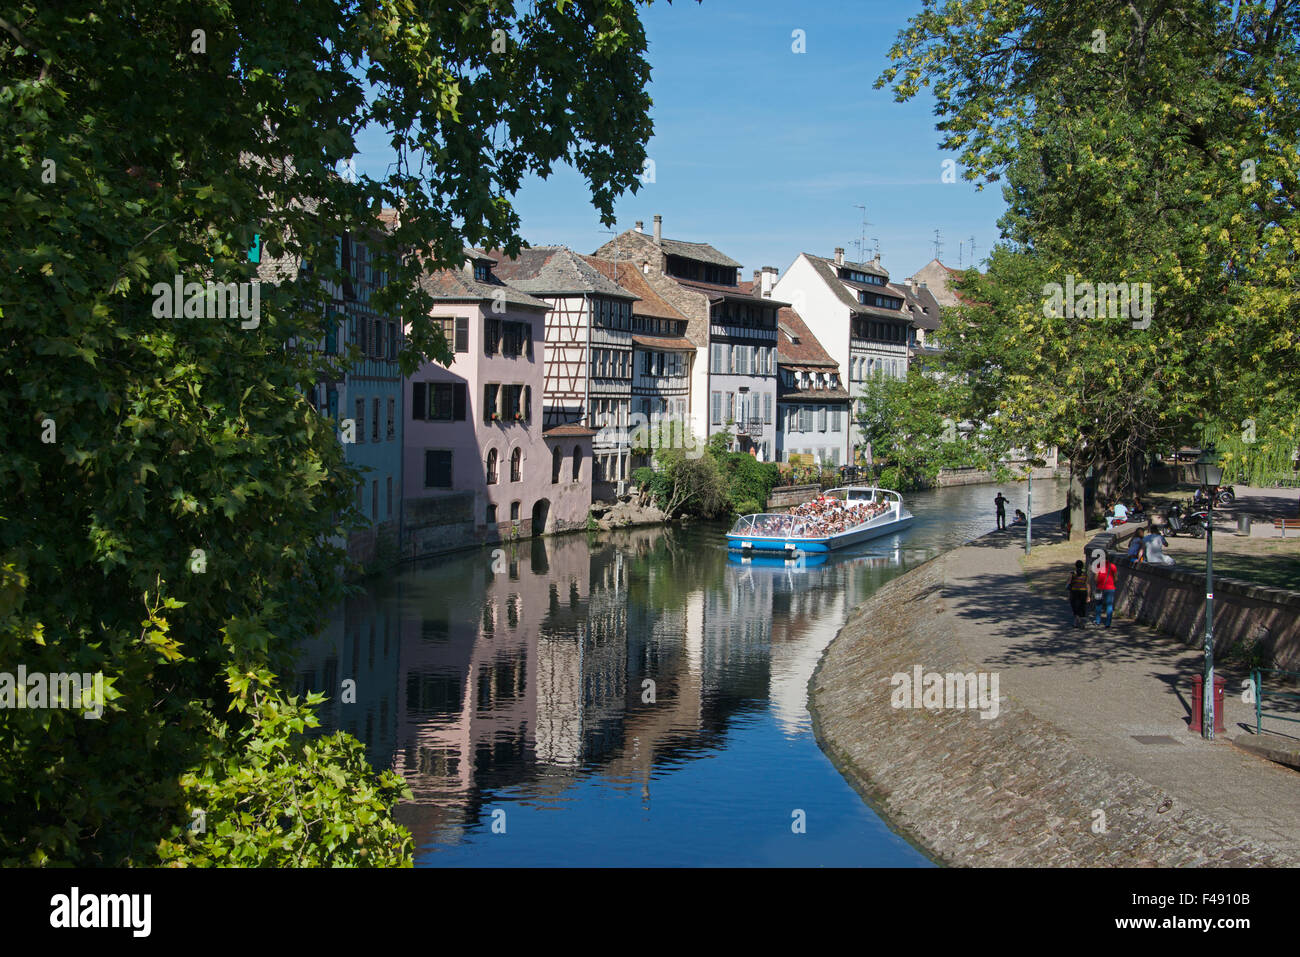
x,y
477,466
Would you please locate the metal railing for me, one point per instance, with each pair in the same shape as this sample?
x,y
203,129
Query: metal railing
x,y
1257,679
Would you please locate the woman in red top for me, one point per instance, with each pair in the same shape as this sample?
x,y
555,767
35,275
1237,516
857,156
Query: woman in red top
x,y
1104,574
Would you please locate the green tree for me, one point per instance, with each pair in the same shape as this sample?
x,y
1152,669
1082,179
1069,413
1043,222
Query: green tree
x,y
170,500
914,427
1147,143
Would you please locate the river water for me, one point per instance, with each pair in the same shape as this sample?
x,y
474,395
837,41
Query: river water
x,y
635,698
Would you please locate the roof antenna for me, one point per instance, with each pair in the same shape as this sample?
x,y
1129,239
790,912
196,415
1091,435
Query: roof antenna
x,y
938,245
862,236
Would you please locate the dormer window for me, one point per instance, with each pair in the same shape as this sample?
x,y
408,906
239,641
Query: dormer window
x,y
482,271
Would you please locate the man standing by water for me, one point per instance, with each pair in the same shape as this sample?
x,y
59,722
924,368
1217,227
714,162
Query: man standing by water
x,y
1001,504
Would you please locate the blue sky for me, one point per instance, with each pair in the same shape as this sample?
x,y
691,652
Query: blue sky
x,y
764,152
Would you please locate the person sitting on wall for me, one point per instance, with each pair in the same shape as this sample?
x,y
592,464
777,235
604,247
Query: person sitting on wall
x,y
1019,519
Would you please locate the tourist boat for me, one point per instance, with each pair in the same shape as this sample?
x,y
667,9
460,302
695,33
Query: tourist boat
x,y
780,532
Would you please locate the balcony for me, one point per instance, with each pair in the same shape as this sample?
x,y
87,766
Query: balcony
x,y
752,426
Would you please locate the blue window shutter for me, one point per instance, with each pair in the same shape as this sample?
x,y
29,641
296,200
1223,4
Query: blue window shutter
x,y
255,250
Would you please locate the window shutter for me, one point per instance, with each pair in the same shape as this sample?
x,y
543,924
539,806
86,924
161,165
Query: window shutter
x,y
419,400
767,408
528,403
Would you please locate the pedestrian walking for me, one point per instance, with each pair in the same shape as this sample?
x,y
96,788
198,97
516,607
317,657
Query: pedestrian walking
x,y
1001,504
1105,576
1078,590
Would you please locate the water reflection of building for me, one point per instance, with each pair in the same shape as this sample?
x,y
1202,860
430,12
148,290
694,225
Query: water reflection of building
x,y
360,644
521,668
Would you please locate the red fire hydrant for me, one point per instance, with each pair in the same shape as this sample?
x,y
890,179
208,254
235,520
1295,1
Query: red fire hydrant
x,y
1198,703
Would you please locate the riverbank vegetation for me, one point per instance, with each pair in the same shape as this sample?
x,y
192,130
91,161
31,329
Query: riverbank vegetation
x,y
1149,160
170,498
713,484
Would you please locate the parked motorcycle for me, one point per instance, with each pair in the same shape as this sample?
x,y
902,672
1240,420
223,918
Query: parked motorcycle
x,y
1191,520
1223,495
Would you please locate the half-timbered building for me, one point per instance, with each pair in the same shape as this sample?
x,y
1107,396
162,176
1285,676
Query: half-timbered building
x,y
662,361
587,352
733,330
479,464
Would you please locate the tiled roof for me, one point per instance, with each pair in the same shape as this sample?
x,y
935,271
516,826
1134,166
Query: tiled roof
x,y
717,293
567,429
668,343
556,270
825,268
456,285
872,267
921,306
786,394
807,351
702,252
625,274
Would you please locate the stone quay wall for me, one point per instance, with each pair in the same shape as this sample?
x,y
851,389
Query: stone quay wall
x,y
1173,602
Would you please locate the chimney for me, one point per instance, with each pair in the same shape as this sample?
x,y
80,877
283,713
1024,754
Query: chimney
x,y
659,228
769,280
758,282
839,255
640,226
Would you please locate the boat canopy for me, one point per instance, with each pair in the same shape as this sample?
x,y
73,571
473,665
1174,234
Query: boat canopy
x,y
859,493
768,525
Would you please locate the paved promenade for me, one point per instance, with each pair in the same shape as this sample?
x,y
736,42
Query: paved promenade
x,y
1091,720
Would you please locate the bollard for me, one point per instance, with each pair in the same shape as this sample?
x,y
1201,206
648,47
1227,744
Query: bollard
x,y
1243,524
1198,703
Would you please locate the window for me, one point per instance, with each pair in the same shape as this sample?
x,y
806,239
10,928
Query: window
x,y
767,408
491,392
491,336
516,402
577,463
492,467
391,431
835,420
361,420
392,340
389,498
491,514
716,405
456,332
516,339
483,272
516,461
821,419
557,461
374,420
437,468
805,420
731,407
514,515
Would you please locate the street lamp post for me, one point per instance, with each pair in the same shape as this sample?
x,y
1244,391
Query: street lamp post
x,y
1029,511
1210,474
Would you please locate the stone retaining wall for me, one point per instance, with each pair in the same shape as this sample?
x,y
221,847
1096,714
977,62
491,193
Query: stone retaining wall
x,y
1011,791
787,496
1173,602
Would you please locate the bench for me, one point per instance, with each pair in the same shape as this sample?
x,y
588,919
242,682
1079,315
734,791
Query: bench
x,y
1285,523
